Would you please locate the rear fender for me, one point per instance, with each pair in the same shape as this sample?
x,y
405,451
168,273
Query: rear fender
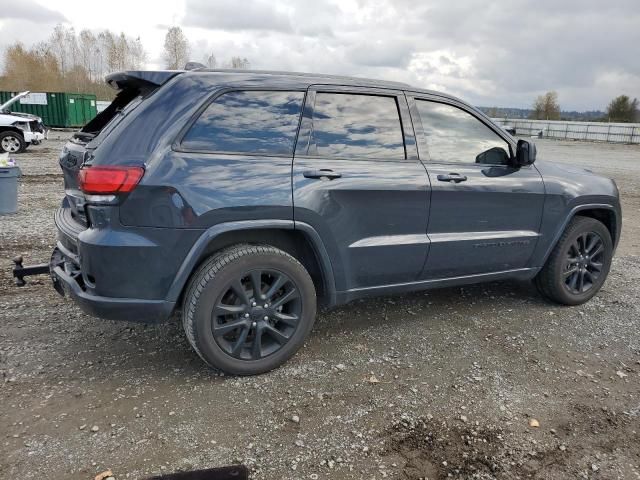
x,y
200,248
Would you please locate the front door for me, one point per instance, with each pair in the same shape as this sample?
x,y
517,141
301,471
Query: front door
x,y
358,182
485,214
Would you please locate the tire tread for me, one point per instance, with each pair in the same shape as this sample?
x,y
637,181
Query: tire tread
x,y
545,280
207,273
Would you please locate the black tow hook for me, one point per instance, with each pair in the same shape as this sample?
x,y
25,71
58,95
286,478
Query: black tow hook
x,y
20,271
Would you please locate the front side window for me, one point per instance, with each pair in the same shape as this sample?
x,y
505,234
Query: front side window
x,y
251,122
454,135
349,125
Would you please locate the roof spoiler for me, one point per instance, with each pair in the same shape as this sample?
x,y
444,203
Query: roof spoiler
x,y
140,78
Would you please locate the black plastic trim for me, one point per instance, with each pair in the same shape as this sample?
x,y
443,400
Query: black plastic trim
x,y
126,309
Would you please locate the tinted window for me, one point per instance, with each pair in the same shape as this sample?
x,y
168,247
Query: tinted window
x,y
349,125
454,135
248,122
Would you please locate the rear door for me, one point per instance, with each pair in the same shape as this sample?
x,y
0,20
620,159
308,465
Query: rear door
x,y
485,214
358,181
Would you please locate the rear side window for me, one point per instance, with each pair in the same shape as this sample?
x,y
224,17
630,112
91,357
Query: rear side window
x,y
349,125
250,122
107,120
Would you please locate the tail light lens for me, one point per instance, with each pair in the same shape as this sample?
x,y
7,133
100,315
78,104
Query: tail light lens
x,y
109,180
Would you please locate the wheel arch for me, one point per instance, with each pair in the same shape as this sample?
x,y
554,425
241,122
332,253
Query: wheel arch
x,y
301,243
608,214
9,128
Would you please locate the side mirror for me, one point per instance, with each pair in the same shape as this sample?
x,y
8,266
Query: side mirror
x,y
493,156
525,153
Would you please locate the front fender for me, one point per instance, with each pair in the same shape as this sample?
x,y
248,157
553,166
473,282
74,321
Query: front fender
x,y
550,236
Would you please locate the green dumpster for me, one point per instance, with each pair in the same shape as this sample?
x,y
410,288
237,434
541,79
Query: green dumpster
x,y
57,109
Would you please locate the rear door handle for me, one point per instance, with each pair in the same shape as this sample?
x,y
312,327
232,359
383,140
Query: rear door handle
x,y
452,177
321,173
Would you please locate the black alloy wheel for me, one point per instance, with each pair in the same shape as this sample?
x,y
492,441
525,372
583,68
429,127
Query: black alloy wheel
x,y
249,308
578,264
584,262
257,314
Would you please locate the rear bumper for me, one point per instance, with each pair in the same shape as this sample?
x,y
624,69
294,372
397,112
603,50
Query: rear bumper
x,y
110,274
67,281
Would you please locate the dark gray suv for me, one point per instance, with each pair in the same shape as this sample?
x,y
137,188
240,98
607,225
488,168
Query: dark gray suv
x,y
245,199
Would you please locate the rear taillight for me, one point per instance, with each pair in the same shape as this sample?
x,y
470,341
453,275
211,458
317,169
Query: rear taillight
x,y
109,180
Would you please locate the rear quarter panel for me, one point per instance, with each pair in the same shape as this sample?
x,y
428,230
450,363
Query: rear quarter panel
x,y
191,190
200,190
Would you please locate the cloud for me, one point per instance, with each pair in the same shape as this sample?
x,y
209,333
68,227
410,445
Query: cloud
x,y
380,53
234,15
489,52
26,22
30,11
520,48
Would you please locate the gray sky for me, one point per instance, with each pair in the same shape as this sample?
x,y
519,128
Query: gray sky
x,y
501,53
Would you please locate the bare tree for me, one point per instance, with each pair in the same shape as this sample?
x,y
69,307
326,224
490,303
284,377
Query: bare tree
x,y
87,48
79,62
137,54
239,63
546,107
100,56
75,71
176,49
70,62
58,45
210,61
35,69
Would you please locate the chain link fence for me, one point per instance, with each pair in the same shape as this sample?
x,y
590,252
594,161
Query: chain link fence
x,y
590,131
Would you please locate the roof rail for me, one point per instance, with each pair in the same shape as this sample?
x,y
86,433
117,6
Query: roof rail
x,y
301,74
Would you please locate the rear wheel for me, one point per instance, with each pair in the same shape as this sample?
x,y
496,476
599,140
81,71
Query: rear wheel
x,y
248,309
11,142
579,263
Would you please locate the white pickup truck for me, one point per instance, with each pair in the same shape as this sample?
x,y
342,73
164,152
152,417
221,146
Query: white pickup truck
x,y
19,130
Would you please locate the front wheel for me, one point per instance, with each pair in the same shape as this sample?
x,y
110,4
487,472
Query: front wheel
x,y
11,142
248,309
579,263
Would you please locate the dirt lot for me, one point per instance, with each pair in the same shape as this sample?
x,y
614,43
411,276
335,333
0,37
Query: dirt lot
x,y
435,384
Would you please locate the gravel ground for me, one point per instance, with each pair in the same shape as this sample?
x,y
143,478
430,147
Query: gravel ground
x,y
449,382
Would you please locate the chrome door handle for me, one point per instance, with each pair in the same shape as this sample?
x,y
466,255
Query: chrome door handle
x,y
452,177
321,173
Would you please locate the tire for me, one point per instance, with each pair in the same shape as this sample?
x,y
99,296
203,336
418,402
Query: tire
x,y
11,142
222,322
573,257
